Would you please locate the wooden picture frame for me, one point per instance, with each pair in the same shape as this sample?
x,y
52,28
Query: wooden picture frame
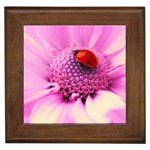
x,y
132,17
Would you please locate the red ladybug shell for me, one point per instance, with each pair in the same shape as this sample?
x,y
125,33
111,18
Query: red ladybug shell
x,y
87,58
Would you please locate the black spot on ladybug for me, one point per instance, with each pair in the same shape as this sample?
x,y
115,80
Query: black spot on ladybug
x,y
88,62
85,54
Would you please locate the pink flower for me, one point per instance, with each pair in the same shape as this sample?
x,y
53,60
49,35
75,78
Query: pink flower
x,y
59,89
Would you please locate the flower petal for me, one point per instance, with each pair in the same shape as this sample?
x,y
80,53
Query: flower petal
x,y
56,36
80,114
33,95
117,58
119,87
66,115
104,102
118,76
111,38
33,81
47,110
34,86
27,110
51,109
80,35
35,74
33,49
117,116
95,35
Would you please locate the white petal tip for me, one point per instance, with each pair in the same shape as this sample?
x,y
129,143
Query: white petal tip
x,y
54,88
74,96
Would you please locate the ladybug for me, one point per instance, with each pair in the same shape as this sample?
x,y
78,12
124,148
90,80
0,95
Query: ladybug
x,y
86,58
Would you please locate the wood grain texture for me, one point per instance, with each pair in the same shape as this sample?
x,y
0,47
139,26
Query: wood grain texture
x,y
133,18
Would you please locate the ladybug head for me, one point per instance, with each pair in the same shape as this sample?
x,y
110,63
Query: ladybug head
x,y
75,52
